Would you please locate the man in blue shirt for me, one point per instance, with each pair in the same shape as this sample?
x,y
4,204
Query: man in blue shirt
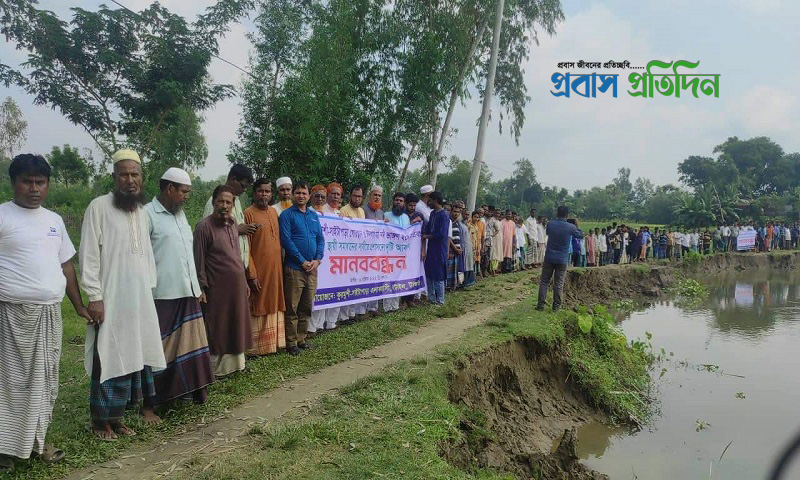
x,y
559,235
436,236
302,240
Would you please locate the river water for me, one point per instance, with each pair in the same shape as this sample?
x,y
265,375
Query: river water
x,y
733,377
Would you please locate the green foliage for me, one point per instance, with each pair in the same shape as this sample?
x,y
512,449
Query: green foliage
x,y
124,77
68,166
13,130
689,291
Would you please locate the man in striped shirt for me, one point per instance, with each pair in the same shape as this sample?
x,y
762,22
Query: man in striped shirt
x,y
35,270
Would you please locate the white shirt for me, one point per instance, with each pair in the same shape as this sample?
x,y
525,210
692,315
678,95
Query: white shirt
x,y
726,231
542,238
118,267
531,229
424,210
521,242
172,240
328,210
600,241
787,233
33,244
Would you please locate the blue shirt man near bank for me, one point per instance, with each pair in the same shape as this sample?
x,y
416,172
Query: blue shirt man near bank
x,y
559,234
302,240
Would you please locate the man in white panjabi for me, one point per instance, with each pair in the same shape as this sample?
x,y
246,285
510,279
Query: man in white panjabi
x,y
284,186
118,273
35,270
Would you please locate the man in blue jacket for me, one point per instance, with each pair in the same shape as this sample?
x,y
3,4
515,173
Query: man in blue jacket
x,y
302,240
559,234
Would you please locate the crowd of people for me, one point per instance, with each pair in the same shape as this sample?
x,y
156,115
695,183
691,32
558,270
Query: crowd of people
x,y
171,309
616,244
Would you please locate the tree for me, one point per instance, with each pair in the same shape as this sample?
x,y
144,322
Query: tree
x,y
642,190
13,128
68,166
124,77
623,181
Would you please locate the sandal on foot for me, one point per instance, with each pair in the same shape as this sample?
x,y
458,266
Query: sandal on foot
x,y
101,434
51,454
123,430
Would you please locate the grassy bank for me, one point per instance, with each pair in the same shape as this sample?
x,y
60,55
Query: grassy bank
x,y
392,425
71,415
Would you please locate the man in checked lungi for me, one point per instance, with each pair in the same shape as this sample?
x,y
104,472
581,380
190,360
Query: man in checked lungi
x,y
35,269
183,331
118,273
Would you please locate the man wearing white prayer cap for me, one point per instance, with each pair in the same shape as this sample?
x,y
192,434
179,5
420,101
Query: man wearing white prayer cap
x,y
177,294
422,205
284,186
118,272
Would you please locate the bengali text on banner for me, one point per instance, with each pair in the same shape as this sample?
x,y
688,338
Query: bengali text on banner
x,y
746,240
368,260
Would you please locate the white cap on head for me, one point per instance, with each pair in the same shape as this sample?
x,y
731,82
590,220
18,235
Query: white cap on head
x,y
125,154
283,181
376,188
177,175
425,189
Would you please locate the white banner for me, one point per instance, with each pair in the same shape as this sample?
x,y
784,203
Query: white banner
x,y
368,260
746,240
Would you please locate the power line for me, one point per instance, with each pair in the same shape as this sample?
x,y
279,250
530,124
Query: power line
x,y
213,54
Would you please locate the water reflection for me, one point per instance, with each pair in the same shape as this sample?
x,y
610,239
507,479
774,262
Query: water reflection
x,y
748,326
595,438
752,304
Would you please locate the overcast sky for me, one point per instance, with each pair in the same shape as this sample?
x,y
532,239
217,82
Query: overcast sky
x,y
576,142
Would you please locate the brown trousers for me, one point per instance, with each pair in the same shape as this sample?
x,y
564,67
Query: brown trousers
x,y
299,288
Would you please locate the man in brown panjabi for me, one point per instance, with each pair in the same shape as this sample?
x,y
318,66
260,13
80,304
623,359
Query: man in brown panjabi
x,y
265,274
224,283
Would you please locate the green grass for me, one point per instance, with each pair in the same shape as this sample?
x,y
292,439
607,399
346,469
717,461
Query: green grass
x,y
71,414
392,425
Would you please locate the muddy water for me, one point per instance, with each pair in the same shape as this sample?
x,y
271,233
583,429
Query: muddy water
x,y
734,376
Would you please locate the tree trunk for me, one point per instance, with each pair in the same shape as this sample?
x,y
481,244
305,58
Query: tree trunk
x,y
487,104
405,167
432,152
454,99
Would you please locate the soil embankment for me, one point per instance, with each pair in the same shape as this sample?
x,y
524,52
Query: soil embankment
x,y
519,397
519,400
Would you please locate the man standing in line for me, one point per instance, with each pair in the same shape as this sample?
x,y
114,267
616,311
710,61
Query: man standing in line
x,y
373,210
353,209
284,186
319,318
35,270
223,280
532,232
183,330
559,235
239,180
118,273
334,202
422,205
264,273
509,236
436,241
301,238
397,216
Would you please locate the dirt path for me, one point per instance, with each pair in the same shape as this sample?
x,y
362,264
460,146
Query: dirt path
x,y
154,461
